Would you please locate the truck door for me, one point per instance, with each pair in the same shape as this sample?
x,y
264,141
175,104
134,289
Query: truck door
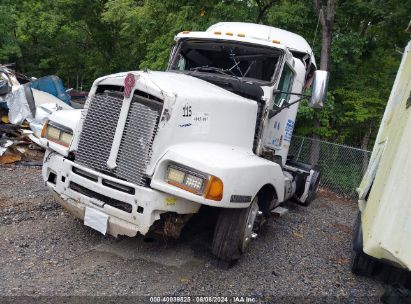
x,y
274,133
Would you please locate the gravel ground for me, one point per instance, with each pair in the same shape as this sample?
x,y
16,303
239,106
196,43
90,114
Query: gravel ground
x,y
45,251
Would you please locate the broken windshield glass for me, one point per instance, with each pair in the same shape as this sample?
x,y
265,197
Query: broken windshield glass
x,y
227,58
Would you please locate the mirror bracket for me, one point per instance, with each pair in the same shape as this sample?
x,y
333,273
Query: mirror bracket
x,y
275,92
317,98
272,113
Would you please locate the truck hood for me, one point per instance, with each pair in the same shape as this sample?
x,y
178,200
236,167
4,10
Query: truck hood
x,y
194,110
160,83
66,118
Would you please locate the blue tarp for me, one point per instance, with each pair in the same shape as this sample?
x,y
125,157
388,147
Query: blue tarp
x,y
52,85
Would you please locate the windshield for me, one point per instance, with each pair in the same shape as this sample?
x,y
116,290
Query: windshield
x,y
227,58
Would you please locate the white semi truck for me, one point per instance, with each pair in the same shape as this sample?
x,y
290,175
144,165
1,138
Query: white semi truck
x,y
151,148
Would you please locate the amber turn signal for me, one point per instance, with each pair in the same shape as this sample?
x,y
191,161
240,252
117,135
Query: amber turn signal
x,y
214,189
43,131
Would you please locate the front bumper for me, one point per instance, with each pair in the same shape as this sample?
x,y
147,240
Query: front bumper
x,y
130,208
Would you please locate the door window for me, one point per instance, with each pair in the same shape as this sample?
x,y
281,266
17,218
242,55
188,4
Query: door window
x,y
285,85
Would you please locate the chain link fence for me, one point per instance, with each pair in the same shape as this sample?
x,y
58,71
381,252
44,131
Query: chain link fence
x,y
342,167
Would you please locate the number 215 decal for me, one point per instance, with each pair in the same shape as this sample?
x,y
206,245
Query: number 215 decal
x,y
187,111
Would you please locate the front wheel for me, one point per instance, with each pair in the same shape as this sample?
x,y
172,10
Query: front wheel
x,y
234,230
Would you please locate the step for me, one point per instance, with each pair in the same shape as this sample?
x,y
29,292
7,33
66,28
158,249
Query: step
x,y
279,211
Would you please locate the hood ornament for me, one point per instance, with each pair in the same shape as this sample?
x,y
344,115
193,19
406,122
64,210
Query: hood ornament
x,y
129,83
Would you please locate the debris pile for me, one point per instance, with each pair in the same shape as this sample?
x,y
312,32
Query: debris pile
x,y
15,145
25,104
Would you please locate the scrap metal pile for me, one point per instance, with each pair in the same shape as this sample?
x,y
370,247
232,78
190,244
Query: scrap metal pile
x,y
25,104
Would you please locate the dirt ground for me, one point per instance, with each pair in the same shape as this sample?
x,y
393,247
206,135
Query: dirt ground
x,y
46,252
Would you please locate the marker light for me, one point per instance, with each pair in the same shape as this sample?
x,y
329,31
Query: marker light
x,y
43,131
217,33
276,41
214,189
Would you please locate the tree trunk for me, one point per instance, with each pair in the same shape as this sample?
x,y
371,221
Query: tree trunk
x,y
260,17
325,49
315,145
326,15
263,7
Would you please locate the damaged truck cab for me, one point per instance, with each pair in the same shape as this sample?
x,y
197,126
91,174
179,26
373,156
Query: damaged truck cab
x,y
214,129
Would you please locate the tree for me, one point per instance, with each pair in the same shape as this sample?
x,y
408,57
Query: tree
x,y
263,6
9,46
91,38
150,38
326,16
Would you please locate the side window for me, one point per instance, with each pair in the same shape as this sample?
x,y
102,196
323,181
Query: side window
x,y
285,85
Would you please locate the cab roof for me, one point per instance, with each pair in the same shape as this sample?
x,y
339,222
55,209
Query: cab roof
x,y
256,33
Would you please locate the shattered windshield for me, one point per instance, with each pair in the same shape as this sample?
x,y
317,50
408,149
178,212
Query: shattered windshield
x,y
227,58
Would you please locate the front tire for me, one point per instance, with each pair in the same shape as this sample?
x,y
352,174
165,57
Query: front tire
x,y
234,230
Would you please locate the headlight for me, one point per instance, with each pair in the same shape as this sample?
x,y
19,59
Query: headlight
x,y
185,179
195,182
56,133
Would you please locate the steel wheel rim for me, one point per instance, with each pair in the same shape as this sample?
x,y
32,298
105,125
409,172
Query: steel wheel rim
x,y
249,227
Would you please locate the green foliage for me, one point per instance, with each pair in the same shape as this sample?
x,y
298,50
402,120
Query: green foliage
x,y
325,116
367,38
86,39
148,27
9,46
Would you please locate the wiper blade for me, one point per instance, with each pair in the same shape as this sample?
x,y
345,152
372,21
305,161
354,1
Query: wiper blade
x,y
214,69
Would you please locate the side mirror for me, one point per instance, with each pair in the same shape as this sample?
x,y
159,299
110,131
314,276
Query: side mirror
x,y
319,89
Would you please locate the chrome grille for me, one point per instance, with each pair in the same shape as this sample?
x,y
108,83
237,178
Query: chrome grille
x,y
98,131
135,148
